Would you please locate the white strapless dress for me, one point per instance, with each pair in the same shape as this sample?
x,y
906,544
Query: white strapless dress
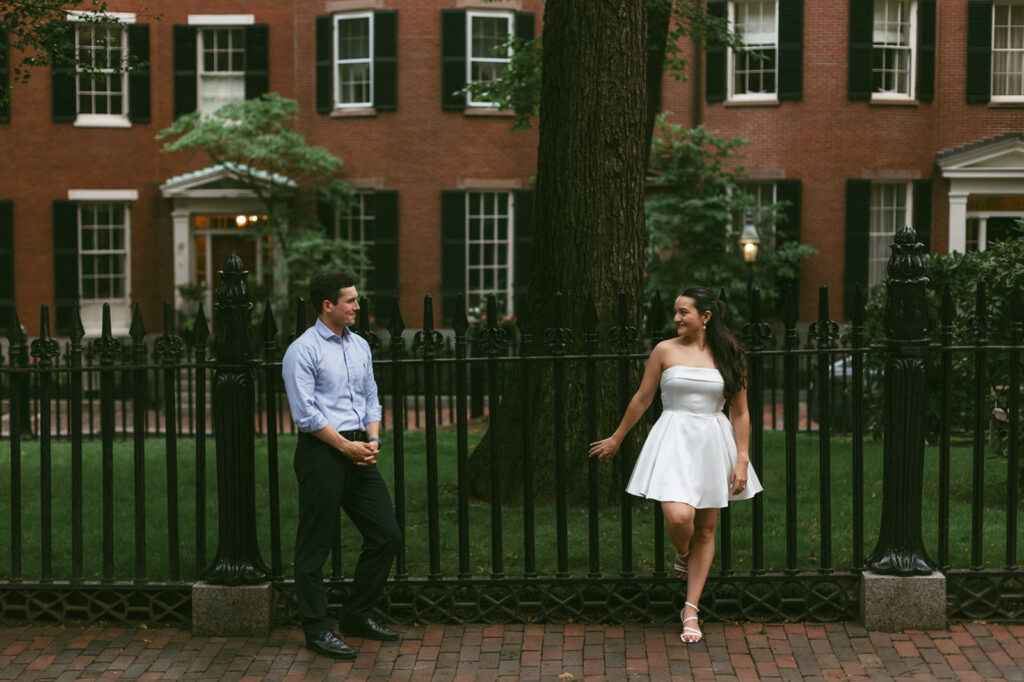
x,y
691,451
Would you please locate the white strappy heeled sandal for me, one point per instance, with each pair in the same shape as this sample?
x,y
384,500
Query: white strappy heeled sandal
x,y
689,631
682,565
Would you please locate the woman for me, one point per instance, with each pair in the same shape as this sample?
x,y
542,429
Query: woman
x,y
694,462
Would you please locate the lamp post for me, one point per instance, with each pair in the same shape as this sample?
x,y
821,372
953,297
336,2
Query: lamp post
x,y
750,240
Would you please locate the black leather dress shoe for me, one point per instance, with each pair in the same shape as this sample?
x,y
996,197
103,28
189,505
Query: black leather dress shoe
x,y
368,628
329,644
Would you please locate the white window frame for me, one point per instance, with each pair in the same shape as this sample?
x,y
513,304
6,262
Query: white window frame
x,y
337,62
509,242
201,71
1015,7
104,120
894,95
732,59
882,235
114,301
471,60
353,227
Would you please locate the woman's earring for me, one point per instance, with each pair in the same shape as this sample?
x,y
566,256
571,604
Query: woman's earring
x,y
705,326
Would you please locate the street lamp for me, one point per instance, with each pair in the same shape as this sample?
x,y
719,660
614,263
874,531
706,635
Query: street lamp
x,y
750,240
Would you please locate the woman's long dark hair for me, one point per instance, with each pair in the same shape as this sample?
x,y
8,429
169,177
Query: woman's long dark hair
x,y
725,350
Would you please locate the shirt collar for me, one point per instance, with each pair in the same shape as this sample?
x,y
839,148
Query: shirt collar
x,y
326,333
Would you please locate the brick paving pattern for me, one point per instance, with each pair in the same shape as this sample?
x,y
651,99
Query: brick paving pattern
x,y
748,651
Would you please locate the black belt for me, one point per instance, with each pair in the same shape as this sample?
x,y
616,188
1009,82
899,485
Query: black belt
x,y
358,435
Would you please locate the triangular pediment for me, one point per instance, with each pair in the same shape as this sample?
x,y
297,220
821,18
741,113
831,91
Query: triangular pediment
x,y
222,179
1000,156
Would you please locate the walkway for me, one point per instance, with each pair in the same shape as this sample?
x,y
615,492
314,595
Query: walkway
x,y
516,652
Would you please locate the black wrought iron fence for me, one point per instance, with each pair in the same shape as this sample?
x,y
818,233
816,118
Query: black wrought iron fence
x,y
110,509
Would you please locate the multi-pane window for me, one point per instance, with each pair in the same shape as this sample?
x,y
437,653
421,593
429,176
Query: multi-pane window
x,y
103,83
890,210
103,251
1008,50
893,39
356,227
353,60
489,54
489,249
221,67
754,68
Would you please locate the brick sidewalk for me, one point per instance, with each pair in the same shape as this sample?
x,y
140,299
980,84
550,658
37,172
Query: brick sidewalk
x,y
516,652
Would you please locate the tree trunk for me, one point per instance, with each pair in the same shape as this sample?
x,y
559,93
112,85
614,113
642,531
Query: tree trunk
x,y
588,242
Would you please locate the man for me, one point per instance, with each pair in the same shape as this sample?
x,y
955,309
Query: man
x,y
328,375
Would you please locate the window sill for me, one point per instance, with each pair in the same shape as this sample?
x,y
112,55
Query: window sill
x,y
883,102
752,103
488,111
102,122
1006,105
354,112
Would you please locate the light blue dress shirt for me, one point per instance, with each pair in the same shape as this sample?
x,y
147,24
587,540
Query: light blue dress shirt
x,y
329,380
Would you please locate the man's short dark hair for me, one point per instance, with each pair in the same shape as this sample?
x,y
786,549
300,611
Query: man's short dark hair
x,y
327,286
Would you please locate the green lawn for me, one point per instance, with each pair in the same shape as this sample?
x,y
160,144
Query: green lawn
x,y
773,478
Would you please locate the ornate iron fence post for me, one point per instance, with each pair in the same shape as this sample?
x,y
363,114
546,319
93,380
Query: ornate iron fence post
x,y
900,549
901,588
238,560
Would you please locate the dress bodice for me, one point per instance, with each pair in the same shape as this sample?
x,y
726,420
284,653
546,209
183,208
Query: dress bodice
x,y
697,390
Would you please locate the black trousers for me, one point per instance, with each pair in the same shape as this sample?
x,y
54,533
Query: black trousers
x,y
328,479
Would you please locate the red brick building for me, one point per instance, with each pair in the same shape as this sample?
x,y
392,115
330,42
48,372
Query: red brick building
x,y
864,114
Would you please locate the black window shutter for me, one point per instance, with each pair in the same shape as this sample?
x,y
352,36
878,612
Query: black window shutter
x,y
862,20
325,217
385,251
6,261
5,82
62,82
523,230
324,57
715,67
791,49
453,250
138,78
257,61
524,25
925,50
186,74
789,190
385,60
858,222
65,263
453,58
979,51
923,212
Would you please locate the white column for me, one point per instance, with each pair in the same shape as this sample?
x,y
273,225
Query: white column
x,y
957,221
182,252
982,233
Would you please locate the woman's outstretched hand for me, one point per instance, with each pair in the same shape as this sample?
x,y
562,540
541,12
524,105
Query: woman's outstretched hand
x,y
604,449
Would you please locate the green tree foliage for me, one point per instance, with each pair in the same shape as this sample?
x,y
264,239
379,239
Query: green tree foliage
x,y
518,88
696,197
1001,268
254,140
39,31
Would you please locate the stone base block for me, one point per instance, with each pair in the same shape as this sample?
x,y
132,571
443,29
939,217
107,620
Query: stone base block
x,y
890,603
232,611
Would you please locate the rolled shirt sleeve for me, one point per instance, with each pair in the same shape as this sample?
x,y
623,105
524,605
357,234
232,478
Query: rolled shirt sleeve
x,y
374,413
299,371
